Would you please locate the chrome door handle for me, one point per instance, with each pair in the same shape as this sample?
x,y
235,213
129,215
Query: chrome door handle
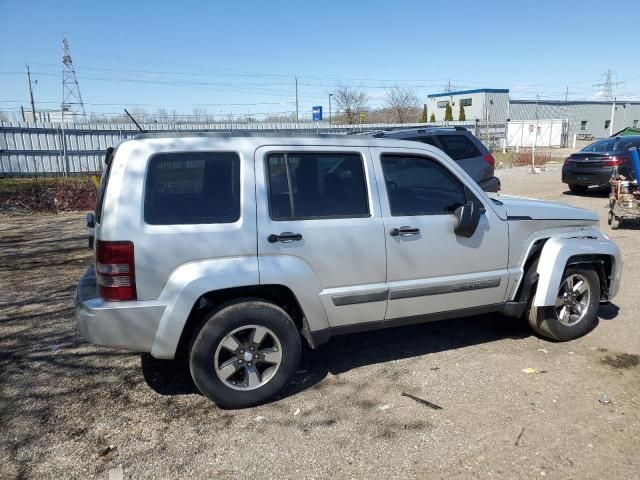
x,y
284,237
404,231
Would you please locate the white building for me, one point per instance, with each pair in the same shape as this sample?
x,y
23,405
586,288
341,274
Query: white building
x,y
585,119
482,104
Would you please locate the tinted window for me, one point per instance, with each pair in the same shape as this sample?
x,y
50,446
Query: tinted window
x,y
427,140
611,145
458,147
104,180
316,185
466,102
442,104
192,188
420,186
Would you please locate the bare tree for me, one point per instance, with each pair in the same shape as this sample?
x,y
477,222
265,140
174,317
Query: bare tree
x,y
350,100
403,103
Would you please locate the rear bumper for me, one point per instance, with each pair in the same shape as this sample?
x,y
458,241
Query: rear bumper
x,y
596,176
490,184
126,325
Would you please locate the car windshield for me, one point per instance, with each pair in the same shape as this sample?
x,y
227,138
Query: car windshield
x,y
611,145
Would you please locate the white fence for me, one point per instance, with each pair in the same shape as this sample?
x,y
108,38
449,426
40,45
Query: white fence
x,y
59,149
538,133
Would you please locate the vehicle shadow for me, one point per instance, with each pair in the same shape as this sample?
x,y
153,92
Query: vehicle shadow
x,y
592,192
344,353
608,311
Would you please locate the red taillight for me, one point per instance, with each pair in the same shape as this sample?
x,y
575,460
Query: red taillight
x,y
490,160
115,269
616,161
568,161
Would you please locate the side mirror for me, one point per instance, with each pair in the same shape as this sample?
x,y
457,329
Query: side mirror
x,y
468,218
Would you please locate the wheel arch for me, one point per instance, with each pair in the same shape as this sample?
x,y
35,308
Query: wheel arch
x,y
279,295
558,253
602,264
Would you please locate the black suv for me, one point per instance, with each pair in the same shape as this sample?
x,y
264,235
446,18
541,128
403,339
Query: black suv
x,y
460,144
595,163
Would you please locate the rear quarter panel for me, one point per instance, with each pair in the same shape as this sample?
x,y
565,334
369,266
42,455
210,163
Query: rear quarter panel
x,y
160,249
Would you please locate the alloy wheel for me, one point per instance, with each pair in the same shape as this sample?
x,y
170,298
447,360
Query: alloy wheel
x,y
248,357
573,298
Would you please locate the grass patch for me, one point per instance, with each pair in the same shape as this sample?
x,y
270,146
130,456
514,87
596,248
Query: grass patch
x,y
512,158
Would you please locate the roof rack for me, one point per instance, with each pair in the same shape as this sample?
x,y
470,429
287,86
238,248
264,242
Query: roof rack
x,y
279,134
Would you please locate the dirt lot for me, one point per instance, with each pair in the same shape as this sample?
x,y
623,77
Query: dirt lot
x,y
72,410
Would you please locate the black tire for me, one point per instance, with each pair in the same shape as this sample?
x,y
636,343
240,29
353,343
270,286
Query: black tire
x,y
544,320
613,221
224,320
578,189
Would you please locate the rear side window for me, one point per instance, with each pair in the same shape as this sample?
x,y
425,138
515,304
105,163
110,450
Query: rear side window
x,y
192,188
104,180
420,186
427,140
316,185
458,147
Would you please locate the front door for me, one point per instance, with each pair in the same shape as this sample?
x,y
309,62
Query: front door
x,y
320,229
429,268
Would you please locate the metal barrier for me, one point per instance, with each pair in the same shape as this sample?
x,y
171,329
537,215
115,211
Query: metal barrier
x,y
64,149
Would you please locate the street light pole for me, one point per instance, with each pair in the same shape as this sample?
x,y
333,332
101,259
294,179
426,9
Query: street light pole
x,y
330,95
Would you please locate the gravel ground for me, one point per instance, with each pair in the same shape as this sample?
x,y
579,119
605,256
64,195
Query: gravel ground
x,y
72,410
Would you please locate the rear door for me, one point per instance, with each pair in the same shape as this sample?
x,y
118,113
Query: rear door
x,y
320,229
429,268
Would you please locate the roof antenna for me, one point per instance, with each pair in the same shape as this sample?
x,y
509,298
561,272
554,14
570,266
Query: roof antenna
x,y
134,121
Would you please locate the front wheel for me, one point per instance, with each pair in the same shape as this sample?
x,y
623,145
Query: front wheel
x,y
245,353
575,312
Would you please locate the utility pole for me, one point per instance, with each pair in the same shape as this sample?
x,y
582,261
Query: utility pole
x,y
566,94
33,105
535,140
297,111
330,95
613,115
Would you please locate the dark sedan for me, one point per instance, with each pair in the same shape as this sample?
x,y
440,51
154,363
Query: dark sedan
x,y
594,164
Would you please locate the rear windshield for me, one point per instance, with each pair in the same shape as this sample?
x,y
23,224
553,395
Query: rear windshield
x,y
192,188
611,145
458,147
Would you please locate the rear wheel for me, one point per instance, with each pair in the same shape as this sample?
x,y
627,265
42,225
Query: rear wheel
x,y
245,353
575,312
578,188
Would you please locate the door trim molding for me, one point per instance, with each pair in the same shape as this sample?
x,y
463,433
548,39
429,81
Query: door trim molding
x,y
354,298
422,291
440,289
